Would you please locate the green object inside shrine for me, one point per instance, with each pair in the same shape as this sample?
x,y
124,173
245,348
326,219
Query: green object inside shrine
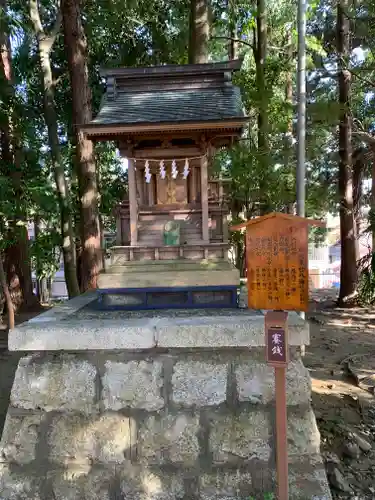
x,y
172,233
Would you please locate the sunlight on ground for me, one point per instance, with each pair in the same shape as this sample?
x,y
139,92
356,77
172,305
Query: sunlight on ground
x,y
152,485
339,388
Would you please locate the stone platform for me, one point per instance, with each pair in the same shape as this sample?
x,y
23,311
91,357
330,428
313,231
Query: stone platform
x,y
153,406
156,273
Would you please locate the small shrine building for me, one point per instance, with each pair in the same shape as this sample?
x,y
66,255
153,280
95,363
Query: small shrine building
x,y
168,121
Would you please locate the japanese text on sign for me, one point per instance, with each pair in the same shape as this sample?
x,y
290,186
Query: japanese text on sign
x,y
277,270
277,350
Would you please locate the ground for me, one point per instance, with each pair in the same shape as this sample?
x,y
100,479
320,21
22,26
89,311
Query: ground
x,y
341,362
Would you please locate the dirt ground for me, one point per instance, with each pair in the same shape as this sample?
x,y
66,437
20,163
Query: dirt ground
x,y
341,361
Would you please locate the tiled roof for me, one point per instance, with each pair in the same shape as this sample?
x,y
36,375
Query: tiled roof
x,y
171,106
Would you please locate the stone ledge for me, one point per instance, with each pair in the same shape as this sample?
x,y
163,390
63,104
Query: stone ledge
x,y
233,331
65,309
59,333
82,335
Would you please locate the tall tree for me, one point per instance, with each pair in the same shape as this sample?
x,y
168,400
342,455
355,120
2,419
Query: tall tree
x,y
232,25
45,44
17,261
76,49
288,137
6,293
260,54
348,276
199,31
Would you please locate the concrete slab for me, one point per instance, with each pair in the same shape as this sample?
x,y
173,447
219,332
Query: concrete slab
x,y
232,331
81,335
75,326
65,309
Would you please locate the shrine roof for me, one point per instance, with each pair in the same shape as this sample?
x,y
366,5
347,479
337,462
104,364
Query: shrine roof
x,y
172,94
171,106
173,69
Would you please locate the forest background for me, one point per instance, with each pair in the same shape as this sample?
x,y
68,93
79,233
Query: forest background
x,y
51,175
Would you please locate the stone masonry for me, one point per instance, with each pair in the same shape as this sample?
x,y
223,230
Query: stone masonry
x,y
160,423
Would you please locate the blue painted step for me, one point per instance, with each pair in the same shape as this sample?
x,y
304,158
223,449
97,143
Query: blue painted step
x,y
110,299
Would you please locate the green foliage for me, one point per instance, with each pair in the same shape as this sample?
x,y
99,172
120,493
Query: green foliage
x,y
266,496
147,32
45,253
366,288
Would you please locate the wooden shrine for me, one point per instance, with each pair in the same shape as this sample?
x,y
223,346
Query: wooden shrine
x,y
168,121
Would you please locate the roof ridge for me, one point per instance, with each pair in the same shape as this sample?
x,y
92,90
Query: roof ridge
x,y
171,69
177,89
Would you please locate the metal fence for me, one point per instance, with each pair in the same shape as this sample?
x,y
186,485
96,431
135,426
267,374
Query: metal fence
x,y
324,279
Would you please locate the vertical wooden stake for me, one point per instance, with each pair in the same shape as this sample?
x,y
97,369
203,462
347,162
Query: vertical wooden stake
x,y
281,434
277,355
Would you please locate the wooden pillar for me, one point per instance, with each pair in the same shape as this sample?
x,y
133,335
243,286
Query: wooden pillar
x,y
221,190
118,228
225,228
150,192
133,209
193,184
204,199
140,186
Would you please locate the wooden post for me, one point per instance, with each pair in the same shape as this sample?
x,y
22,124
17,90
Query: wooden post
x,y
150,192
118,228
140,186
204,199
221,190
281,434
133,204
225,228
193,183
277,355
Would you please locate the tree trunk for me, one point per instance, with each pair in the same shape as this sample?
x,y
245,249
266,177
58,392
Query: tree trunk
x,y
348,275
199,31
8,299
288,137
260,53
358,161
232,42
18,269
45,44
37,231
76,49
372,202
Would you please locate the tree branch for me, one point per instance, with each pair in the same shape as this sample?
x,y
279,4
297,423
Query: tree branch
x,y
365,137
57,80
362,78
35,17
47,40
232,39
57,24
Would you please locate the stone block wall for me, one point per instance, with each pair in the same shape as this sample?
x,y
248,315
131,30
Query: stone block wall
x,y
155,424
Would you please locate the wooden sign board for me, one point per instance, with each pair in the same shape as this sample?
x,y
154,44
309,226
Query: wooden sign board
x,y
277,262
277,271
